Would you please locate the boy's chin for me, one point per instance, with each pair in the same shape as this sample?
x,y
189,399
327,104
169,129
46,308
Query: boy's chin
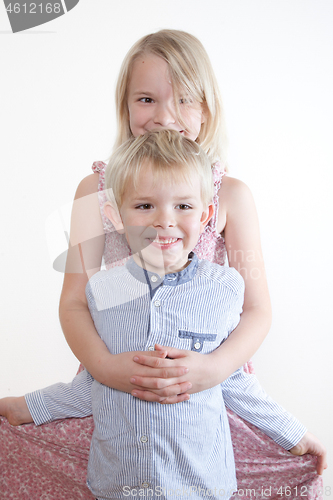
x,y
159,265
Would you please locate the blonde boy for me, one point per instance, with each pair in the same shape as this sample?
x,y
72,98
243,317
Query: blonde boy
x,y
161,198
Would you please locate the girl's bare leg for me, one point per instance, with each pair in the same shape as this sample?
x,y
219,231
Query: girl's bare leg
x,y
15,410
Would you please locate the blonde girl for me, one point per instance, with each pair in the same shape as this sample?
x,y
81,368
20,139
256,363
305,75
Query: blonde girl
x,y
166,81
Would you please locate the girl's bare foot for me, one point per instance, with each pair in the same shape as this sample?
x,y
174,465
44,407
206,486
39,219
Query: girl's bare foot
x,y
15,410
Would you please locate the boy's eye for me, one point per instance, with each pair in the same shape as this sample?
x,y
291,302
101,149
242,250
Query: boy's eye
x,y
144,206
146,99
183,206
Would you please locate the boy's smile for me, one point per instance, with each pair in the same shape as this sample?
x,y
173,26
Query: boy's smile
x,y
162,220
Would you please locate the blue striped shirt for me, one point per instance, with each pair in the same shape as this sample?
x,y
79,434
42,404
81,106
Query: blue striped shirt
x,y
162,448
146,447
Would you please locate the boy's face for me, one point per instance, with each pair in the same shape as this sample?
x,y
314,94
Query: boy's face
x,y
162,220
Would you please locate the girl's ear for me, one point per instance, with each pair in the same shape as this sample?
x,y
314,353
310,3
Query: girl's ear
x,y
206,216
204,111
112,213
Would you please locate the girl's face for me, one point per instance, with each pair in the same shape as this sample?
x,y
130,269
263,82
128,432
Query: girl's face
x,y
151,100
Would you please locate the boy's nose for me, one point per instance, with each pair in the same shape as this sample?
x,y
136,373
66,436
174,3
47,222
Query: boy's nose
x,y
164,219
164,115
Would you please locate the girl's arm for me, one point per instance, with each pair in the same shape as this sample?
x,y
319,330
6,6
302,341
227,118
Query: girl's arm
x,y
84,259
238,219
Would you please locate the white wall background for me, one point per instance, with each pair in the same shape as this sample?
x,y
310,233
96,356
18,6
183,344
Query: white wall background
x,y
273,59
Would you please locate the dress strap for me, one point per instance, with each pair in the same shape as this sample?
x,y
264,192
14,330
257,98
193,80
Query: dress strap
x,y
218,173
98,167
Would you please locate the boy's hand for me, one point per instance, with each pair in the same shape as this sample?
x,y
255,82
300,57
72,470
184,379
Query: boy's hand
x,y
202,373
310,444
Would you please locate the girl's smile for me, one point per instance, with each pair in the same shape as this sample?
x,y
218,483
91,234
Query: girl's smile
x,y
151,100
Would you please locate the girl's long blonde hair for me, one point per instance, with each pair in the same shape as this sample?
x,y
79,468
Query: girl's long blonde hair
x,y
190,69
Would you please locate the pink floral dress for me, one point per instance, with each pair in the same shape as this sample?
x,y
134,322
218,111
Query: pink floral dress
x,y
49,462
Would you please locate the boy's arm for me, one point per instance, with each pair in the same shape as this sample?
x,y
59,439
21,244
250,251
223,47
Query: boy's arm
x,y
60,400
243,394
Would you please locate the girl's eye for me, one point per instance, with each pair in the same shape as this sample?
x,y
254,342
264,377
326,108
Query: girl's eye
x,y
146,99
185,100
144,206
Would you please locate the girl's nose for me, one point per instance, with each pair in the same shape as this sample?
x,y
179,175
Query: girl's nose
x,y
164,115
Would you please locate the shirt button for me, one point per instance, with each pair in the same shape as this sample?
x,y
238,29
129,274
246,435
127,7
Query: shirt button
x,y
151,348
157,303
154,278
143,439
197,345
145,485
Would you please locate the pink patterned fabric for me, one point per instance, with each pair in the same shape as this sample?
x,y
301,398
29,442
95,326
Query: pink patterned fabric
x,y
50,462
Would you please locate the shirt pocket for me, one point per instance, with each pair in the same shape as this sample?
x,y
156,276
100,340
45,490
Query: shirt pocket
x,y
197,339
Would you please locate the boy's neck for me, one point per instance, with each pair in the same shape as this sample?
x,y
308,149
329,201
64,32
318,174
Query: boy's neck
x,y
159,271
154,281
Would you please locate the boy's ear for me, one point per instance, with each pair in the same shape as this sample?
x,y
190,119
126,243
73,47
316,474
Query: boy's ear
x,y
206,216
112,213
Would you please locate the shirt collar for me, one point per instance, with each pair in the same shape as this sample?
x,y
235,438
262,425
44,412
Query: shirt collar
x,y
172,279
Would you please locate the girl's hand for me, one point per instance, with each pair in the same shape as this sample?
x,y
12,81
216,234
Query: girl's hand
x,y
123,373
202,371
310,444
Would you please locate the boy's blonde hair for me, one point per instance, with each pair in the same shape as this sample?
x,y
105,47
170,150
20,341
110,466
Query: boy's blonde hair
x,y
190,71
170,156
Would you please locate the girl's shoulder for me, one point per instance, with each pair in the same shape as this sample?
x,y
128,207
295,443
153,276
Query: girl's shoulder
x,y
88,185
91,183
233,189
235,200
